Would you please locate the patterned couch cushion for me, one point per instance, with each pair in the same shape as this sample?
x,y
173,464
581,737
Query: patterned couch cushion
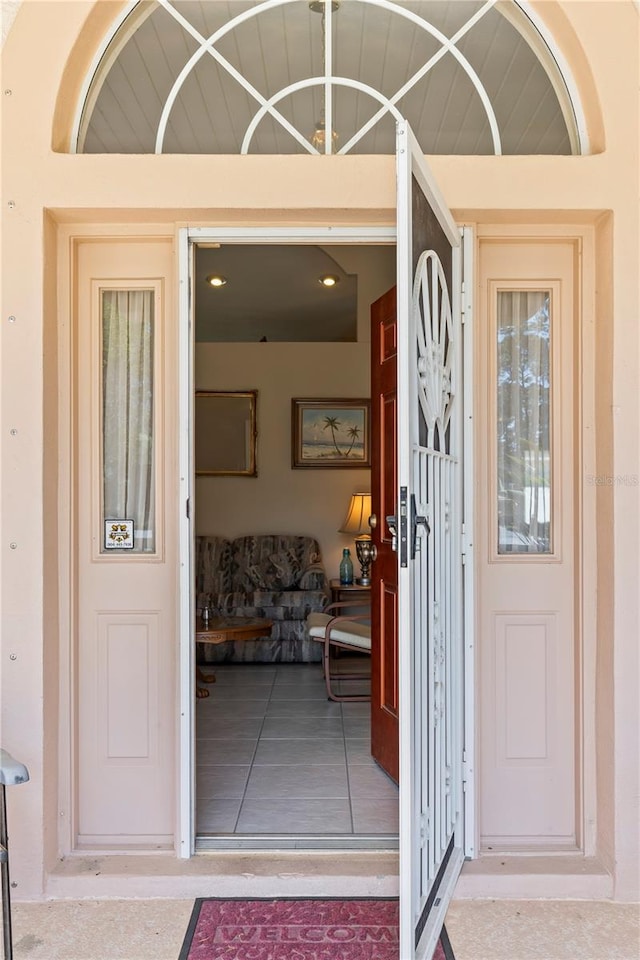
x,y
280,571
213,568
292,561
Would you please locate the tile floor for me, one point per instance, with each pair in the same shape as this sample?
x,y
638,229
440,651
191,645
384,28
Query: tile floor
x,y
275,756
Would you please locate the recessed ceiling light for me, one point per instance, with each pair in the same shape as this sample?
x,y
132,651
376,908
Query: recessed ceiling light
x,y
215,280
328,281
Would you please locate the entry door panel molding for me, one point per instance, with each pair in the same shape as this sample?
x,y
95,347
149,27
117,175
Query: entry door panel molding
x,y
528,601
384,485
126,625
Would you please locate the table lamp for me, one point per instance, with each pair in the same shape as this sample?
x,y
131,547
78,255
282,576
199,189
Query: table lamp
x,y
356,523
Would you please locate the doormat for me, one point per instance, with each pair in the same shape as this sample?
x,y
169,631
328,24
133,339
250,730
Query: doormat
x,y
329,928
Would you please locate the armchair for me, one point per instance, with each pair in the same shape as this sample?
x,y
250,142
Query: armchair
x,y
345,632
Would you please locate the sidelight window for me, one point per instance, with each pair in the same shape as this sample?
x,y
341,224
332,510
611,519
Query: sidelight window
x,y
127,321
524,394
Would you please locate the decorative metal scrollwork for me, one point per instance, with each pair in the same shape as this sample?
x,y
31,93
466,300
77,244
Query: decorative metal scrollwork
x,y
434,334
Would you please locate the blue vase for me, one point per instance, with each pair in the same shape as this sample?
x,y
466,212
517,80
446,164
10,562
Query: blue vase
x,y
346,568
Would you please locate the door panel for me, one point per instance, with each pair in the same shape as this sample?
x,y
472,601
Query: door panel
x,y
126,637
384,584
525,548
429,521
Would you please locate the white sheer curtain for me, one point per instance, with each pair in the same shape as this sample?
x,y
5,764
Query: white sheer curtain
x,y
127,392
524,422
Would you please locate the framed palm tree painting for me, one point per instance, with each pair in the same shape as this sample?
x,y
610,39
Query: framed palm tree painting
x,y
330,433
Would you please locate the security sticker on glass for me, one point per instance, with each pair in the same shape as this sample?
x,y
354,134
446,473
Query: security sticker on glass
x,y
118,534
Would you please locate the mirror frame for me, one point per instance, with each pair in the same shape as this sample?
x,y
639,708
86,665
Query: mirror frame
x,y
205,427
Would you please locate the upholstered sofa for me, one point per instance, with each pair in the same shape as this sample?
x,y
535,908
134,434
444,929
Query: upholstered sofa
x,y
279,578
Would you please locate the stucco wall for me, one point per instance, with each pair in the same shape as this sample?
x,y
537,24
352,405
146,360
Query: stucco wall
x,y
8,11
61,38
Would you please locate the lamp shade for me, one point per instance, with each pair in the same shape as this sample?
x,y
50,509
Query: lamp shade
x,y
356,521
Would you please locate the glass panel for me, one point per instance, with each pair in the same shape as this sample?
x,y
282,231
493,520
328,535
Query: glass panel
x,y
127,421
524,422
278,47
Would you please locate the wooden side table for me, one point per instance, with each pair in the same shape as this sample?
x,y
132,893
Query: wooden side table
x,y
352,591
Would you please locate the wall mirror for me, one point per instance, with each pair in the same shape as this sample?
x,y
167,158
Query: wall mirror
x,y
225,433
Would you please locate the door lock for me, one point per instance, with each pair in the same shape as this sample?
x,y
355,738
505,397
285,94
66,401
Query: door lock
x,y
399,531
392,523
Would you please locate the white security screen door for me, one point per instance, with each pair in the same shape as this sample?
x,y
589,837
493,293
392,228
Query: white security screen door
x,y
428,526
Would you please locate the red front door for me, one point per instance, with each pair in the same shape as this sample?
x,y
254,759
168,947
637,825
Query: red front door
x,y
384,578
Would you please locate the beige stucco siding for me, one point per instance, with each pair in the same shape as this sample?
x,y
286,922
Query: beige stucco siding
x,y
42,189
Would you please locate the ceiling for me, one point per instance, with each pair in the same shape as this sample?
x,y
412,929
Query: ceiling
x,y
375,51
272,292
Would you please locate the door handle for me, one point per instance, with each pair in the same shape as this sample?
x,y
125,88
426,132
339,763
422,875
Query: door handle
x,y
373,521
417,520
392,523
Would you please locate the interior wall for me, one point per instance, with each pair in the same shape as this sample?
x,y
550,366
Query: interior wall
x,y
375,267
280,499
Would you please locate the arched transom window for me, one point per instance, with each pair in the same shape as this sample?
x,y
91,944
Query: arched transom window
x,y
326,76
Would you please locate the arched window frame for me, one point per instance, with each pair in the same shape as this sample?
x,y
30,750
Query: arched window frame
x,y
519,13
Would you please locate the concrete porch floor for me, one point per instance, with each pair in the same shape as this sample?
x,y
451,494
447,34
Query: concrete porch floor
x,y
478,929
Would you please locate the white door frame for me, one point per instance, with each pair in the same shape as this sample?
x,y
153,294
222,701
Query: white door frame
x,y
468,582
367,236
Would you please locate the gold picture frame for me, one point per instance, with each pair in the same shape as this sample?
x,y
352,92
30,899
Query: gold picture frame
x,y
330,433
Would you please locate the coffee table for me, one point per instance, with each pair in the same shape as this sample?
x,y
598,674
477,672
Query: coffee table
x,y
221,629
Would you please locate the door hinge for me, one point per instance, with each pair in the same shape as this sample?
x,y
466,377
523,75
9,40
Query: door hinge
x,y
464,543
187,508
466,771
463,301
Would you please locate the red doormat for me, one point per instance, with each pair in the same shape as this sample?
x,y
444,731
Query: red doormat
x,y
297,929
